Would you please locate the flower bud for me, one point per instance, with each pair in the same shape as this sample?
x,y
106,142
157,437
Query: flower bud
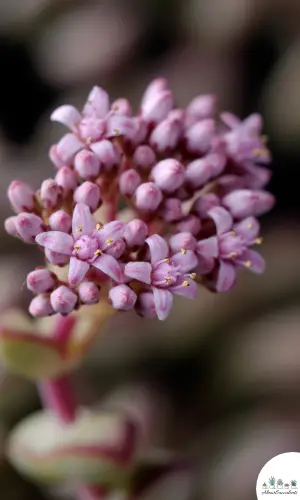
x,y
57,259
89,194
145,305
155,87
245,202
230,182
182,240
41,281
177,114
56,159
63,300
10,226
120,125
40,306
140,132
87,164
168,175
135,233
97,103
202,107
88,292
189,223
156,106
200,171
122,297
171,210
129,181
91,128
116,249
166,135
147,197
28,226
51,193
144,157
21,196
122,106
60,221
204,203
66,149
66,179
107,153
199,137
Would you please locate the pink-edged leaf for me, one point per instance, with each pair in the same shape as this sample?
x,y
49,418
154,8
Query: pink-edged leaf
x,y
140,271
163,300
159,249
82,222
56,241
109,266
67,115
77,270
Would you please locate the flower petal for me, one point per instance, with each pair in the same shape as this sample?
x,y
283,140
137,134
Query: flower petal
x,y
159,249
187,260
140,271
205,265
221,218
121,125
67,115
56,241
82,222
77,270
251,260
248,229
208,248
97,103
229,119
68,146
163,300
109,266
187,288
226,277
112,231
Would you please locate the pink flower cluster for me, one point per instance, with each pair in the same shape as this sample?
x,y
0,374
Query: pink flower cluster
x,y
194,184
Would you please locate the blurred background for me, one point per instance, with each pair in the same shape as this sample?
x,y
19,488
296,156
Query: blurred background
x,y
228,366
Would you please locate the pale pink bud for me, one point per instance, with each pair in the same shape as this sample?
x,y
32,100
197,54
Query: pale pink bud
x,y
190,223
51,193
107,153
63,300
116,249
204,203
66,179
57,259
166,135
40,306
135,233
171,209
60,221
177,114
156,86
202,106
89,292
122,106
10,226
168,175
147,197
230,182
89,194
41,281
129,181
28,226
199,137
182,240
145,305
144,157
56,159
200,171
156,106
21,196
140,132
87,164
245,202
122,297
121,125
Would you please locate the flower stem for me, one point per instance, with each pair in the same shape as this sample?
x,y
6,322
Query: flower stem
x,y
57,396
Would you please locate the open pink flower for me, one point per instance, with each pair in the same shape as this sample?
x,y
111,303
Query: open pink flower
x,y
165,274
230,246
90,244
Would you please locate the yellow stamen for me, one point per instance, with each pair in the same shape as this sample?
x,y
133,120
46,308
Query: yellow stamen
x,y
183,251
99,226
248,263
89,140
98,252
77,248
79,229
109,241
193,276
233,233
185,283
260,152
116,131
233,255
166,260
259,240
250,225
168,280
116,107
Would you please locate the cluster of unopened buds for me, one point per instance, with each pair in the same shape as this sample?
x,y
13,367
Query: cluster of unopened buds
x,y
193,185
